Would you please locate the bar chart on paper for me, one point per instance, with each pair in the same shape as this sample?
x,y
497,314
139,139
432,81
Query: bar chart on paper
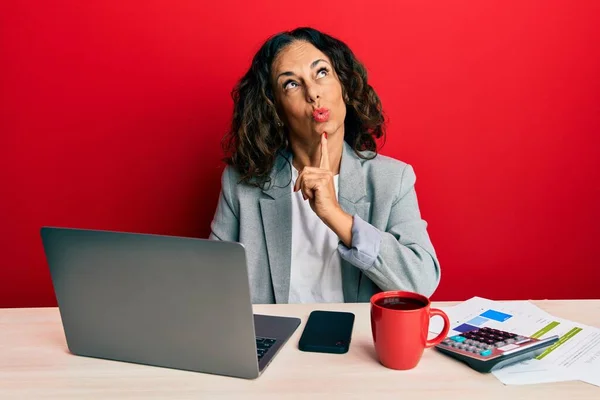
x,y
519,317
489,318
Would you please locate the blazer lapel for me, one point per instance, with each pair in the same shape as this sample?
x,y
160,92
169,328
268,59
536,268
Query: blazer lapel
x,y
276,216
276,213
352,198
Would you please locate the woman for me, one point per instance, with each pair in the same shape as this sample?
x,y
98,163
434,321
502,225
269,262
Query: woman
x,y
323,218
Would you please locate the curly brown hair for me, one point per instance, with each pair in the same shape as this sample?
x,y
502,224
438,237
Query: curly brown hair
x,y
257,135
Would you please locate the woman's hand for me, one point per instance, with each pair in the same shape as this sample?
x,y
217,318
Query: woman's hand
x,y
316,184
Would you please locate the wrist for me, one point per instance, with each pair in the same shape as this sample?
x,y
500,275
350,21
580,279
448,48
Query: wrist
x,y
335,215
340,222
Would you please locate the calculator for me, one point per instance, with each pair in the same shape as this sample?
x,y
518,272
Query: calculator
x,y
486,349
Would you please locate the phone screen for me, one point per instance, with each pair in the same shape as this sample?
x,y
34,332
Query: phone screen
x,y
327,332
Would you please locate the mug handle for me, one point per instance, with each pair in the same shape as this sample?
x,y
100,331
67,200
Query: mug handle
x,y
438,339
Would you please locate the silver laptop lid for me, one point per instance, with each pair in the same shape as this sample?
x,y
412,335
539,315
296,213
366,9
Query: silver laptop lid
x,y
159,300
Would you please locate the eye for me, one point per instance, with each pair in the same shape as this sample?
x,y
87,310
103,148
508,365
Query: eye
x,y
289,85
322,72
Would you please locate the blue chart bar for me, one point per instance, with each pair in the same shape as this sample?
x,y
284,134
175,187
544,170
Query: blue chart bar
x,y
496,315
465,328
477,321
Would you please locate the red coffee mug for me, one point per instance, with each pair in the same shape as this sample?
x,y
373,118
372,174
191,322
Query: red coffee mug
x,y
400,323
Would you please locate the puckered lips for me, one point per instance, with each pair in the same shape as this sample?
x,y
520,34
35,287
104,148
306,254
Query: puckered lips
x,y
321,114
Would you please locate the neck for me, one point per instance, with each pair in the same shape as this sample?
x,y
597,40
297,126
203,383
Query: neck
x,y
308,153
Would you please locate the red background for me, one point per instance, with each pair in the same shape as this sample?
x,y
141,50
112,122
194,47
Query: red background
x,y
111,114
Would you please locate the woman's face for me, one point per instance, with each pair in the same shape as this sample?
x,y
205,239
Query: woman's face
x,y
308,92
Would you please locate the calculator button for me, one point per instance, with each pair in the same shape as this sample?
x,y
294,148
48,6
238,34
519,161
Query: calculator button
x,y
486,353
499,344
510,341
458,338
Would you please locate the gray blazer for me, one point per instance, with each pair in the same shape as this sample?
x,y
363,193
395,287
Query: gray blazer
x,y
379,193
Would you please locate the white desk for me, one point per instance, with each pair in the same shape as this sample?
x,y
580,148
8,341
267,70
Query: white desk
x,y
35,364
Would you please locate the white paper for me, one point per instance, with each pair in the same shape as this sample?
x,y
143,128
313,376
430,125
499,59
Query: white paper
x,y
591,377
575,357
526,318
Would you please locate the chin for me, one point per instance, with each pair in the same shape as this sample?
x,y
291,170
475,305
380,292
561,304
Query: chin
x,y
330,127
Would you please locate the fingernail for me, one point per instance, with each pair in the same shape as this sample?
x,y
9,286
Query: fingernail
x,y
325,135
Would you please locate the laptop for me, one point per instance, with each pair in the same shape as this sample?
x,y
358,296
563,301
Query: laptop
x,y
159,300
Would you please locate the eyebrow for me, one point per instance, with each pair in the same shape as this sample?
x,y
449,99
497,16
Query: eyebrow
x,y
312,66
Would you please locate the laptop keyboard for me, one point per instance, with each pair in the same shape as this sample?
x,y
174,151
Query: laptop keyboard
x,y
263,345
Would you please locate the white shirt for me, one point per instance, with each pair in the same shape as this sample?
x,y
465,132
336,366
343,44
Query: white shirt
x,y
316,275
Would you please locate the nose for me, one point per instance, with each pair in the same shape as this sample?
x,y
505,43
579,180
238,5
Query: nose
x,y
312,92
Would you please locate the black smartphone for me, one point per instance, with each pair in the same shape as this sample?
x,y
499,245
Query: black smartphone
x,y
327,332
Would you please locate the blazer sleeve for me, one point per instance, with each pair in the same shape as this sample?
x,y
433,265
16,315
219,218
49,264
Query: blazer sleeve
x,y
402,257
225,224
